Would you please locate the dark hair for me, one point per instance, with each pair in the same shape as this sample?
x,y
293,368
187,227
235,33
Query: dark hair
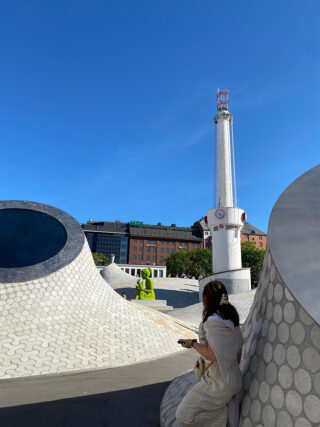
x,y
212,296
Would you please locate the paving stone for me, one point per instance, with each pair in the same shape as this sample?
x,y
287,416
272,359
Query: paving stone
x,y
283,333
285,377
268,416
312,408
311,359
294,403
302,381
297,333
284,419
264,391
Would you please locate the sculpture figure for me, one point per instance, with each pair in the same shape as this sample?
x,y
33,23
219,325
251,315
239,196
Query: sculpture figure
x,y
145,292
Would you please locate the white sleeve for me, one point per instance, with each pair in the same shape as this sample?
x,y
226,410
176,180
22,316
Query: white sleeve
x,y
202,334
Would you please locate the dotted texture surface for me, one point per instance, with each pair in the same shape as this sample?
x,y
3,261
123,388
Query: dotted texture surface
x,y
280,358
72,320
280,362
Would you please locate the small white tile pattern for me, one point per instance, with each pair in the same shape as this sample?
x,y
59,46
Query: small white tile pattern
x,y
73,320
280,359
280,362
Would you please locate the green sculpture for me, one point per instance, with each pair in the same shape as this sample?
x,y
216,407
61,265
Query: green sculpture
x,y
147,292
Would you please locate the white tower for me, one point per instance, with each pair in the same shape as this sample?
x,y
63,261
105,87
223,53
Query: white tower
x,y
226,219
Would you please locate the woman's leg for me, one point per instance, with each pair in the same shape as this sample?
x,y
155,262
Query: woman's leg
x,y
202,407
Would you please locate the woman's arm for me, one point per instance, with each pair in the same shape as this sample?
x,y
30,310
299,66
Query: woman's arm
x,y
204,349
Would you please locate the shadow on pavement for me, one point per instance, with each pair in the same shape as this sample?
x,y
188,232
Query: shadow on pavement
x,y
136,407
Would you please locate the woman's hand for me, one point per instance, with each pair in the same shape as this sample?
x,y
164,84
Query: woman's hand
x,y
187,344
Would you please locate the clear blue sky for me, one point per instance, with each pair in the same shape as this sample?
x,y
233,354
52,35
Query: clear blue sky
x,y
106,107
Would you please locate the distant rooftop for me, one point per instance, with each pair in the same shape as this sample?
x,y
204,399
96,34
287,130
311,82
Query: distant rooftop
x,y
138,228
250,229
172,231
106,226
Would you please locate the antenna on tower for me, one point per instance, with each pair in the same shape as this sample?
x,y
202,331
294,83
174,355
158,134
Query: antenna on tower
x,y
222,98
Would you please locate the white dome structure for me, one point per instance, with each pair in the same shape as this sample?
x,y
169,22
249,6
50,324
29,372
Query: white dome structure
x,y
114,275
57,312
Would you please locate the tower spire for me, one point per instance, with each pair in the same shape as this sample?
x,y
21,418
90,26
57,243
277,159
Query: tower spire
x,y
222,99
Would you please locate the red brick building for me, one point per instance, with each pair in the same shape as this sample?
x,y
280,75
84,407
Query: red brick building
x,y
249,233
152,244
141,244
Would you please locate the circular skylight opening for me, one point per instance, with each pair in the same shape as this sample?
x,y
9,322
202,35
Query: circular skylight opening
x,y
28,237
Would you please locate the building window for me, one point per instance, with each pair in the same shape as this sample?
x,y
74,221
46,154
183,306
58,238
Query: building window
x,y
148,258
167,243
172,251
154,250
161,258
135,241
167,250
153,259
260,237
172,243
141,241
193,245
110,244
140,257
134,257
134,249
161,250
149,241
140,249
252,239
260,244
148,249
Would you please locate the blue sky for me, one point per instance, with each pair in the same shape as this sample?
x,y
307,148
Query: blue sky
x,y
106,107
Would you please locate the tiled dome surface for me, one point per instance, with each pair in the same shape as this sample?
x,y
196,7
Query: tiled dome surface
x,y
72,320
281,359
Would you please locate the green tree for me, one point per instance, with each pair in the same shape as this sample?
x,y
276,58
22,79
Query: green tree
x,y
199,262
177,263
252,257
100,259
195,262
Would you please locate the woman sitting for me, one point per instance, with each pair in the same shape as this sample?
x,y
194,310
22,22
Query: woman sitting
x,y
220,346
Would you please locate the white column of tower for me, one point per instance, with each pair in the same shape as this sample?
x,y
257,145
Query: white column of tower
x,y
225,220
224,173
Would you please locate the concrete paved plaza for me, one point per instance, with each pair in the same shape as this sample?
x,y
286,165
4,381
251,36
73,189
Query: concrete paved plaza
x,y
118,397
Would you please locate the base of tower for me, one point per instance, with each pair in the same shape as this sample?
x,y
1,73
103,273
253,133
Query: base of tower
x,y
235,281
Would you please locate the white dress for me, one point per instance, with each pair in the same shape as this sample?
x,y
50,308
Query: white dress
x,y
206,403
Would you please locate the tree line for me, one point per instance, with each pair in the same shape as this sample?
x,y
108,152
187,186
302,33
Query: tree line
x,y
198,262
